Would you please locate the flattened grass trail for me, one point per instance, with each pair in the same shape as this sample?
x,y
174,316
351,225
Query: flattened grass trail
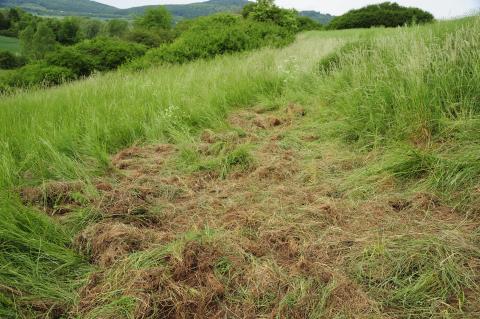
x,y
323,180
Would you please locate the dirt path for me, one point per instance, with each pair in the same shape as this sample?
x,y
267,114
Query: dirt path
x,y
246,223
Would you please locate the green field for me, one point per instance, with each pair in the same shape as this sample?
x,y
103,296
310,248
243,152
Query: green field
x,y
9,44
334,178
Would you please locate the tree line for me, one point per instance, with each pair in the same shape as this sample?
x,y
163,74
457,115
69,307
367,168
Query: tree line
x,y
57,50
386,14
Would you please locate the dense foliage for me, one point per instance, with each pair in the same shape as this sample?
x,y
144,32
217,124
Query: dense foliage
x,y
10,61
83,46
385,14
215,35
101,54
39,74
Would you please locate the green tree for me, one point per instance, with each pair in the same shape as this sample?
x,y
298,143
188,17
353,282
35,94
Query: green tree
x,y
14,15
10,61
248,9
4,22
91,28
26,41
267,11
156,18
117,28
69,32
43,41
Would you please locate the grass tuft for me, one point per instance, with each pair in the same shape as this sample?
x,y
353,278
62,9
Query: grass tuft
x,y
421,277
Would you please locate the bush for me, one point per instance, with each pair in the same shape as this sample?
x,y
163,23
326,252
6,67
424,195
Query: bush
x,y
39,74
10,61
219,34
308,24
108,54
73,59
155,18
386,14
267,11
151,39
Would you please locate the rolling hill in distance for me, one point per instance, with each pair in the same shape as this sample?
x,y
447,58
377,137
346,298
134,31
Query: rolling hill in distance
x,y
94,9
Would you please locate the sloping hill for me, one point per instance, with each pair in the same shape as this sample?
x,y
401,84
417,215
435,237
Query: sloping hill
x,y
63,7
94,9
193,10
317,16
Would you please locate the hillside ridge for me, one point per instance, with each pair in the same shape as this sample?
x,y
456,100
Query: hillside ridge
x,y
90,8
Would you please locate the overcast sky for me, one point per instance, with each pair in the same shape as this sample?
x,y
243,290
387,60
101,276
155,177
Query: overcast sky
x,y
440,8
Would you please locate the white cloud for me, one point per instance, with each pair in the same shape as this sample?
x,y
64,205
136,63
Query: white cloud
x,y
440,8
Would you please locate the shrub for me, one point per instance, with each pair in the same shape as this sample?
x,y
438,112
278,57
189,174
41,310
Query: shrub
x,y
220,34
307,24
151,39
386,14
267,11
116,27
69,32
108,54
39,74
155,18
4,22
73,59
10,61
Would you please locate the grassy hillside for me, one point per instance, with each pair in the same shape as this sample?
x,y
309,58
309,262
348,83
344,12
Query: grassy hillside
x,y
9,44
63,7
335,178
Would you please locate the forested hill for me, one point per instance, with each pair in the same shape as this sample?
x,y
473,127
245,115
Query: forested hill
x,y
194,10
64,7
94,9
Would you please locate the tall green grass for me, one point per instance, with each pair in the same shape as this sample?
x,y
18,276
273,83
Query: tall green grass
x,y
413,93
65,132
37,267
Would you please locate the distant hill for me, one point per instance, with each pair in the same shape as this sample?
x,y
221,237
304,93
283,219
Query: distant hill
x,y
89,8
64,7
317,16
193,10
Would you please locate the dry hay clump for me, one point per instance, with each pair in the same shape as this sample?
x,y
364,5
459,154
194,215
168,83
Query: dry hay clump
x,y
217,278
145,159
55,198
108,242
189,283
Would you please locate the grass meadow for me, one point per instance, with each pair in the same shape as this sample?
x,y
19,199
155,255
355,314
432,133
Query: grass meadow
x,y
395,116
9,44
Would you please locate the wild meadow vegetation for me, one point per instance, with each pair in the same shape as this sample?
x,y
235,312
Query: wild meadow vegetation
x,y
55,51
333,175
